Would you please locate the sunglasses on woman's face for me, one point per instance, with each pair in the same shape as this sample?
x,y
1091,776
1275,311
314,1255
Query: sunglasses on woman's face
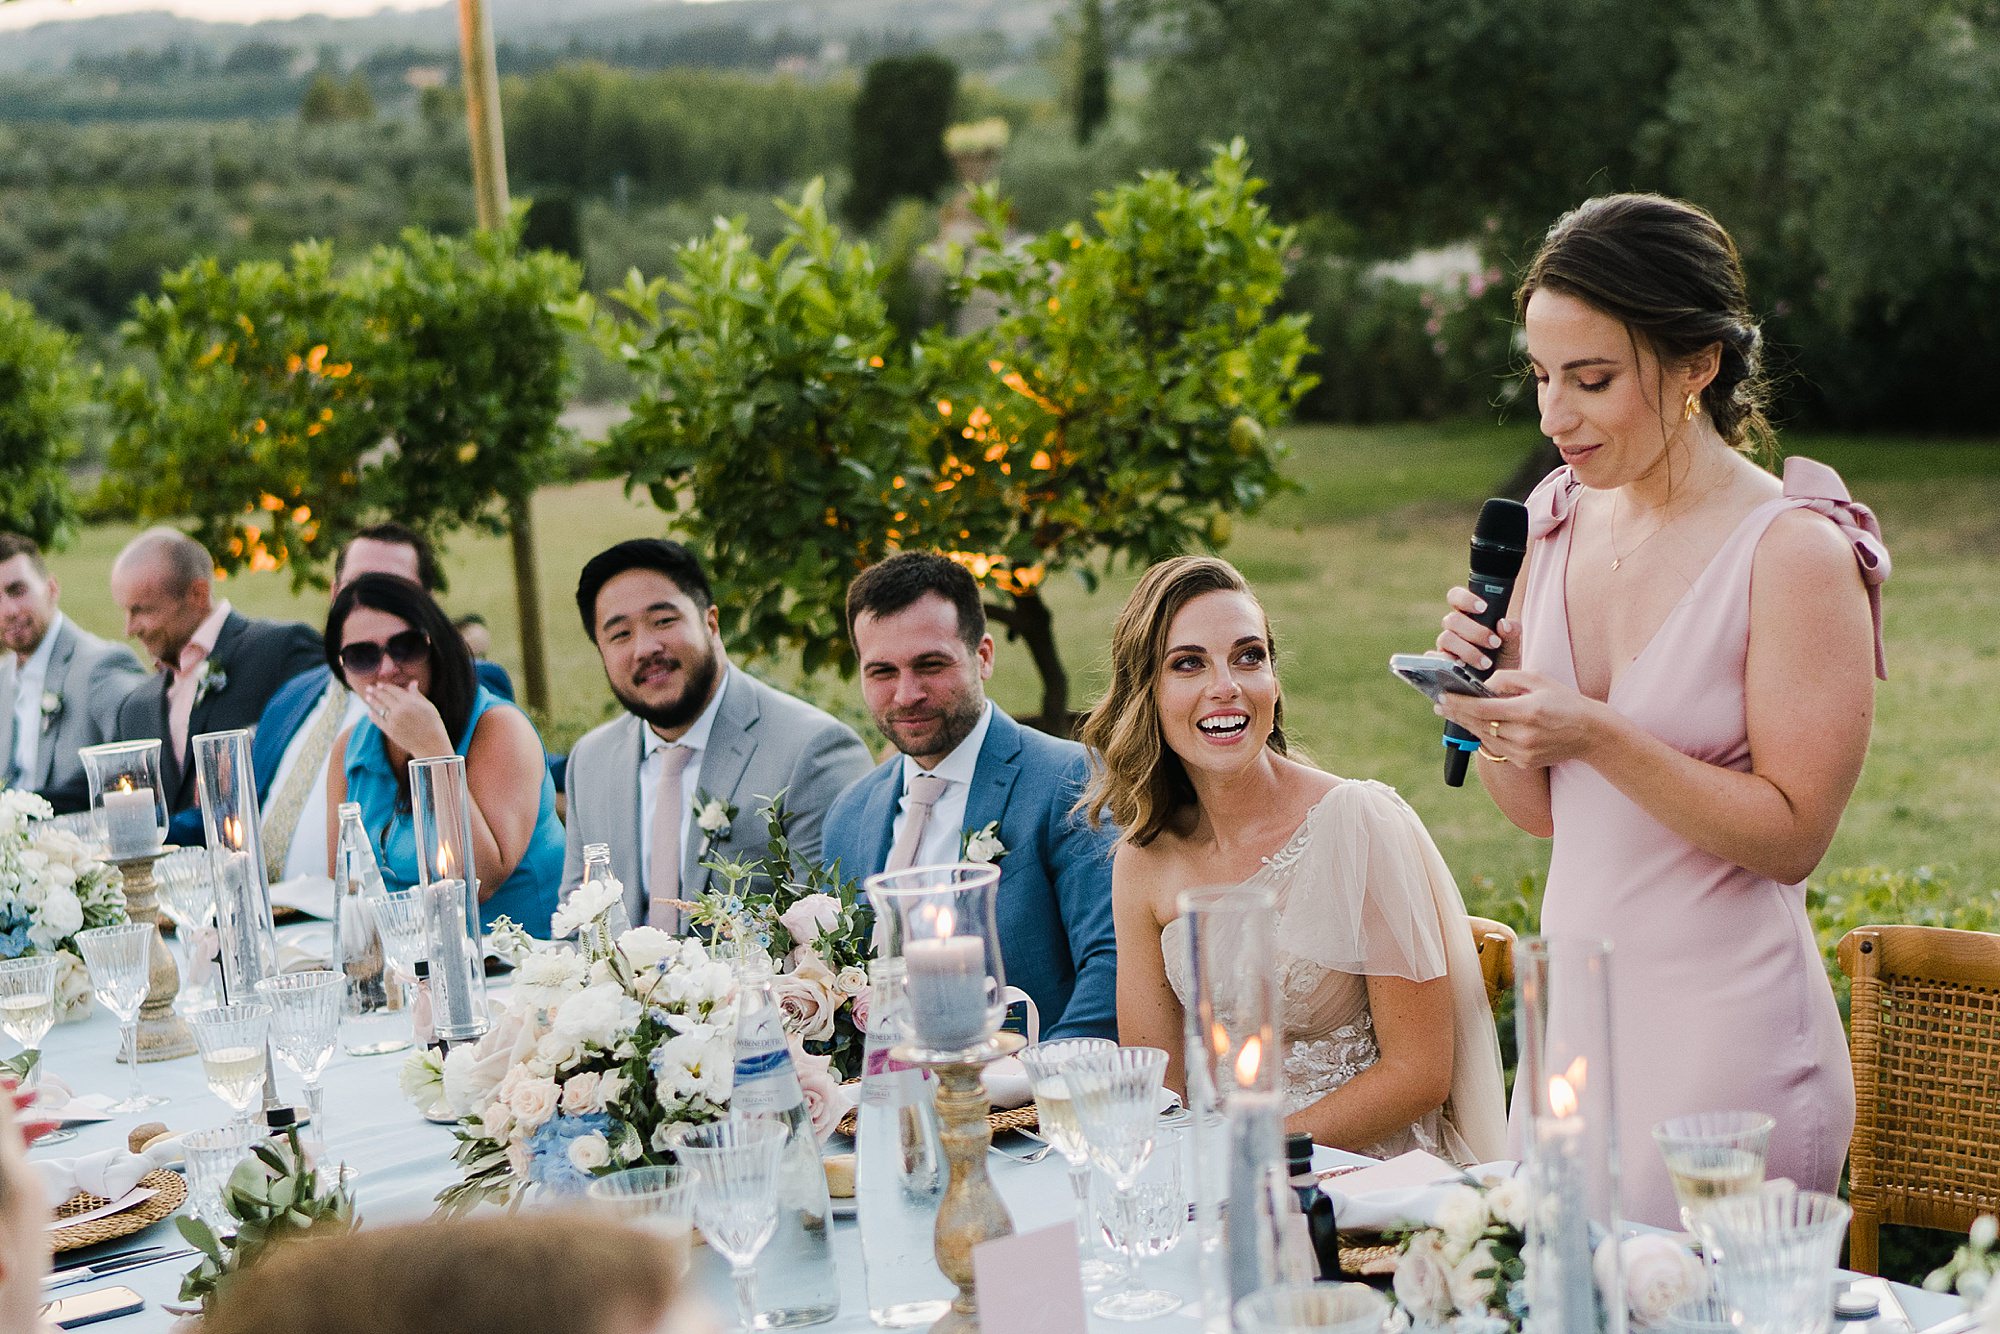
x,y
364,657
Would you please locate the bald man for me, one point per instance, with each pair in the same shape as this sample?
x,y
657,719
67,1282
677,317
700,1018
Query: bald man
x,y
217,669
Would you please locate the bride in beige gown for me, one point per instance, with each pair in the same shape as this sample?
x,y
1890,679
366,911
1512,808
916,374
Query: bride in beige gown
x,y
1389,1044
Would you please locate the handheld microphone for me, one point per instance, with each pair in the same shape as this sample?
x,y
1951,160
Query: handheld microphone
x,y
1499,541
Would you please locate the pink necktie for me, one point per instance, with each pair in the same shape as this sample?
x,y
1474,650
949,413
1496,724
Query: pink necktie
x,y
925,789
180,696
663,872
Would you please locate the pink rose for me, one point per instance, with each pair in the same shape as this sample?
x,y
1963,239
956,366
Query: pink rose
x,y
471,1074
532,1100
806,1002
862,998
583,1094
811,917
826,1100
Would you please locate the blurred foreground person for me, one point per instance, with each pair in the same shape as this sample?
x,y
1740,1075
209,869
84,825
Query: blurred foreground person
x,y
24,1219
513,1274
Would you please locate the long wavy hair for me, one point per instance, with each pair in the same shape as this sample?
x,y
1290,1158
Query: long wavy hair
x,y
1135,777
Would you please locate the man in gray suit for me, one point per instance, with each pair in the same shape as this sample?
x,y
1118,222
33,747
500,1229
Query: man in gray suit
x,y
61,688
695,729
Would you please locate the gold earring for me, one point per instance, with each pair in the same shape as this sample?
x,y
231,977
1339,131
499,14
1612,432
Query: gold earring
x,y
1693,408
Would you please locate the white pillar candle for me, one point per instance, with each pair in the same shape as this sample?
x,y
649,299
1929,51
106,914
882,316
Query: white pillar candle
x,y
947,986
452,960
131,821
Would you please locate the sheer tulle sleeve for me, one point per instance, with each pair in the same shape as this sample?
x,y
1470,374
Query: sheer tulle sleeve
x,y
1360,898
1371,895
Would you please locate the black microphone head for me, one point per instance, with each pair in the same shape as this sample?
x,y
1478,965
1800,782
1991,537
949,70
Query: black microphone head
x,y
1500,539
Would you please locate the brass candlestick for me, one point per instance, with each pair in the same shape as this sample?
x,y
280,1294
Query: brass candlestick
x,y
163,1035
972,1210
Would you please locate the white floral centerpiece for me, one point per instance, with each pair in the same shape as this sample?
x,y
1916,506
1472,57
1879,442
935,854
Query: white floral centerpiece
x,y
1970,1272
52,887
808,919
1467,1272
588,1067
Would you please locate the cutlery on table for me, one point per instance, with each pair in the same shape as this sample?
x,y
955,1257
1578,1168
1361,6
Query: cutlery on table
x,y
105,1269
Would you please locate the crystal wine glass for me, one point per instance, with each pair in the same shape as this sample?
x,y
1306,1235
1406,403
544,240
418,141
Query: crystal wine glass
x,y
1712,1156
231,1040
1056,1111
27,1012
187,894
1146,1221
120,962
658,1199
399,918
212,1155
737,1172
305,1022
1117,1102
1778,1253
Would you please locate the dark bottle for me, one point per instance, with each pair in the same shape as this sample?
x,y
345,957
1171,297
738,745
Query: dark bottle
x,y
1314,1203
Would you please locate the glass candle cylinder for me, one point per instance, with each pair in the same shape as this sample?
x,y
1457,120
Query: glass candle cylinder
x,y
1233,1063
1563,1088
229,815
948,935
127,789
441,808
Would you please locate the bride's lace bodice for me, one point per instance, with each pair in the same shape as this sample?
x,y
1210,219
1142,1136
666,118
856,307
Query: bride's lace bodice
x,y
1351,902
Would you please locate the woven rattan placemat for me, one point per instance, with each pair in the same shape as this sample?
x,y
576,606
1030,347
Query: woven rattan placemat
x,y
1018,1118
169,1193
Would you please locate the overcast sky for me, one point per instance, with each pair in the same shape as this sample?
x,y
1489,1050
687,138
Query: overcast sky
x,y
27,13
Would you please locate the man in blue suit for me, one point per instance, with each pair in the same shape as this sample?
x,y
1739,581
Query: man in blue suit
x,y
296,733
970,783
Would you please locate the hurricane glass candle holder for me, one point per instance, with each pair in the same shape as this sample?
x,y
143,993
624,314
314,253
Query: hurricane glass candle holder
x,y
441,806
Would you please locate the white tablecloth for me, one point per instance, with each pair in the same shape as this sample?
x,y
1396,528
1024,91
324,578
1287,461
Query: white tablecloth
x,y
403,1161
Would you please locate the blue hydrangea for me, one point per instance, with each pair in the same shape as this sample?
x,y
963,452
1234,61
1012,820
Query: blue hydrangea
x,y
550,1166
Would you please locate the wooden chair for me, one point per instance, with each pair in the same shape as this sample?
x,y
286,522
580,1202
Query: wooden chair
x,y
1495,943
1925,1042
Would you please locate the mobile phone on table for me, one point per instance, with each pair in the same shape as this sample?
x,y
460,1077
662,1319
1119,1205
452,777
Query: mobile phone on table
x,y
1438,677
87,1308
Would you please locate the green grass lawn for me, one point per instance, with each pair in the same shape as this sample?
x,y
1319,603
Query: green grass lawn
x,y
1352,567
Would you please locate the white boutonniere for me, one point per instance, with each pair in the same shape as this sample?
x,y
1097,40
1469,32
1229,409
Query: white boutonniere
x,y
712,815
983,845
209,679
51,709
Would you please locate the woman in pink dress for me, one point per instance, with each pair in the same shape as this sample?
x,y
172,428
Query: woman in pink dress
x,y
1686,685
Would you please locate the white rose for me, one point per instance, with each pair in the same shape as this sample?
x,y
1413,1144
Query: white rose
x,y
59,918
471,1073
1423,1279
1660,1274
826,1100
1508,1200
73,988
1461,1216
985,846
583,1094
851,980
1471,1280
811,917
532,1101
713,817
805,1002
644,947
589,1152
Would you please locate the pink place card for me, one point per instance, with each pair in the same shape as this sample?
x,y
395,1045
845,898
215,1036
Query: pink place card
x,y
1029,1283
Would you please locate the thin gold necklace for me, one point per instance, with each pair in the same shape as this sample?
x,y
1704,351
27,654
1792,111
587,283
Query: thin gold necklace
x,y
1612,526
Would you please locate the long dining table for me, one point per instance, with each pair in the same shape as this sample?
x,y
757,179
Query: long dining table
x,y
399,1162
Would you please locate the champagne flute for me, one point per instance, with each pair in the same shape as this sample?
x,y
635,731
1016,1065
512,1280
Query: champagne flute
x,y
305,1022
27,1012
1117,1101
737,1174
1056,1111
231,1039
187,894
120,961
399,920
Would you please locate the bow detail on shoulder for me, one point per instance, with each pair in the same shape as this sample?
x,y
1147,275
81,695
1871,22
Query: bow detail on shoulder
x,y
1818,488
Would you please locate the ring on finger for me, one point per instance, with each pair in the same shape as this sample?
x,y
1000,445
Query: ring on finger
x,y
1486,754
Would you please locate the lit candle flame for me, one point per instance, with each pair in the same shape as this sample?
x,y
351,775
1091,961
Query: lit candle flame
x,y
444,862
1249,1060
947,921
232,832
1218,1038
1564,1088
124,782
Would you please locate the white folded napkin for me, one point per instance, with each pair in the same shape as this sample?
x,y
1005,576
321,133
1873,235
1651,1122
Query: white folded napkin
x,y
56,1101
311,895
110,1173
305,948
1402,1192
1008,1085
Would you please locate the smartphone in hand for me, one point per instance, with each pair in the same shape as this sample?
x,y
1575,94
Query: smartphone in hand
x,y
1438,676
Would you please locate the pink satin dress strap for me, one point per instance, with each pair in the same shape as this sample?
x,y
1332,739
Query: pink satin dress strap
x,y
1720,1000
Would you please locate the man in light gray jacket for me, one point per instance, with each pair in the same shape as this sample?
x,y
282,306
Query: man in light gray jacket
x,y
60,687
696,731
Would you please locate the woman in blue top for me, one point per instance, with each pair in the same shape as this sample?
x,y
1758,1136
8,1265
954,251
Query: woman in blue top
x,y
391,644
